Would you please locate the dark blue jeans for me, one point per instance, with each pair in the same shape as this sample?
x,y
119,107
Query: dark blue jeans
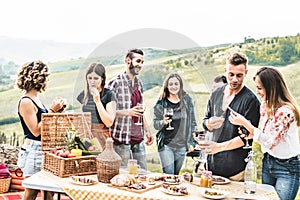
x,y
172,159
138,151
283,174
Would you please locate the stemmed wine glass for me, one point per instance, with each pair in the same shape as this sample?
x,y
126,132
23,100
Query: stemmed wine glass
x,y
169,113
141,110
246,133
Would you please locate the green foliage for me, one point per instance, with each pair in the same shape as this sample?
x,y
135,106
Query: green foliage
x,y
9,120
275,52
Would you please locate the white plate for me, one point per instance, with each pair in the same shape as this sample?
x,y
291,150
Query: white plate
x,y
226,180
171,180
172,192
222,193
80,180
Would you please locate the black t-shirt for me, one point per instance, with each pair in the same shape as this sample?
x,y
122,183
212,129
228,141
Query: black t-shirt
x,y
231,162
105,97
176,138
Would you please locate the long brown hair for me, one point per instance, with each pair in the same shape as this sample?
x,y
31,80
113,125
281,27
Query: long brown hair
x,y
165,91
99,69
277,92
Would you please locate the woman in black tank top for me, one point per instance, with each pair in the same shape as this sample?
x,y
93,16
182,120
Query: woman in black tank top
x,y
32,79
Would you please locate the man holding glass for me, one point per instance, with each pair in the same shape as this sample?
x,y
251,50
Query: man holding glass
x,y
226,152
130,126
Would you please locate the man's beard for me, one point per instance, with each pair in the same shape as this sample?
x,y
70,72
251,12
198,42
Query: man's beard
x,y
132,69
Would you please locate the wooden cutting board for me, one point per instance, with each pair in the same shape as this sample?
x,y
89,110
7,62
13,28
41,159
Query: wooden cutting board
x,y
148,187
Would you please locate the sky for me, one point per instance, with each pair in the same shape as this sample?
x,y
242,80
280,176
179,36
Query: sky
x,y
207,22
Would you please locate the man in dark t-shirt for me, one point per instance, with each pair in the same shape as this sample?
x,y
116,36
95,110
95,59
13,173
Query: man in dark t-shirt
x,y
226,153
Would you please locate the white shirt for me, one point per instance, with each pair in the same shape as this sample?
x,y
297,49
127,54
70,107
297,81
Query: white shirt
x,y
278,135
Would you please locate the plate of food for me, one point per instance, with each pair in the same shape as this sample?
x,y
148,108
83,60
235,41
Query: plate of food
x,y
82,180
219,180
174,190
172,179
213,193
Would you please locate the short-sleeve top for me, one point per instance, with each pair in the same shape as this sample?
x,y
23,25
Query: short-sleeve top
x,y
106,96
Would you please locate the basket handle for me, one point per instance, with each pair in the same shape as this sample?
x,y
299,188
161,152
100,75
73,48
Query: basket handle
x,y
18,172
83,161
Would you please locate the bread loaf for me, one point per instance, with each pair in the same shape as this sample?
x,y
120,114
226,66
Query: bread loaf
x,y
123,180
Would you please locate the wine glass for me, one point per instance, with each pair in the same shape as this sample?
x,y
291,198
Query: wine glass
x,y
141,110
246,133
169,113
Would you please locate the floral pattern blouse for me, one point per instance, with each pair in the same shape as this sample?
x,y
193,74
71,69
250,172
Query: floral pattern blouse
x,y
278,134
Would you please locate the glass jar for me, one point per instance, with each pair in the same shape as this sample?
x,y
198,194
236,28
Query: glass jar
x,y
206,179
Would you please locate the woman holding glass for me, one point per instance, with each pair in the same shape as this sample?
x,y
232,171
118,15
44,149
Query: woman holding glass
x,y
278,133
174,118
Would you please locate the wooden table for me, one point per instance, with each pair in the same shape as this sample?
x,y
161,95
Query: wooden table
x,y
46,181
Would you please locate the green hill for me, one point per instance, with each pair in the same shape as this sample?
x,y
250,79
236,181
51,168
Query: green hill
x,y
197,66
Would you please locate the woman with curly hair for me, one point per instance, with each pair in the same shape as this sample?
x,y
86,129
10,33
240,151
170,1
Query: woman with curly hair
x,y
33,79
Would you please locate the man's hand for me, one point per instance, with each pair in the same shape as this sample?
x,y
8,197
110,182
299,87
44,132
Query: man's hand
x,y
135,111
215,122
150,139
210,147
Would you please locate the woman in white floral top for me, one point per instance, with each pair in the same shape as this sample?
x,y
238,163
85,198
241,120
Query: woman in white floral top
x,y
278,133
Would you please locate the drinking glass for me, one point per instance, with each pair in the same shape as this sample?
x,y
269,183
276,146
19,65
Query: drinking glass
x,y
218,116
141,110
246,133
169,113
203,139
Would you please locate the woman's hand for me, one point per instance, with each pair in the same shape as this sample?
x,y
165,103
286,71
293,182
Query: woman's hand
x,y
236,118
166,120
191,148
95,93
58,105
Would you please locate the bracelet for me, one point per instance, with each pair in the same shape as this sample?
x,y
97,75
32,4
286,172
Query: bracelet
x,y
52,110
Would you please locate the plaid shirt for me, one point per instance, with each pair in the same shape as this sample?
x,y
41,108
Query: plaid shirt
x,y
122,125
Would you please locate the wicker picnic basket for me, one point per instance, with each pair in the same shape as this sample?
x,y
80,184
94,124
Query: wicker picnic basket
x,y
53,135
4,185
108,163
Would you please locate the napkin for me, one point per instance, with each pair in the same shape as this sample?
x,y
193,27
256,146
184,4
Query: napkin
x,y
4,172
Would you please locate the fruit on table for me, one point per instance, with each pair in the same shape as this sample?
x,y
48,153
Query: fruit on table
x,y
71,155
77,152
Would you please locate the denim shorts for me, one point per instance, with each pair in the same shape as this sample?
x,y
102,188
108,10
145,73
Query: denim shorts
x,y
30,157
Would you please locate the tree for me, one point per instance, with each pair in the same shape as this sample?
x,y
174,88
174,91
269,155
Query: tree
x,y
286,51
186,62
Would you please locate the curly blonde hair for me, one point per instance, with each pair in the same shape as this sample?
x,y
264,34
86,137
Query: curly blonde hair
x,y
33,75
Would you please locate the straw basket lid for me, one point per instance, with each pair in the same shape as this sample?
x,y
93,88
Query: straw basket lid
x,y
109,153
